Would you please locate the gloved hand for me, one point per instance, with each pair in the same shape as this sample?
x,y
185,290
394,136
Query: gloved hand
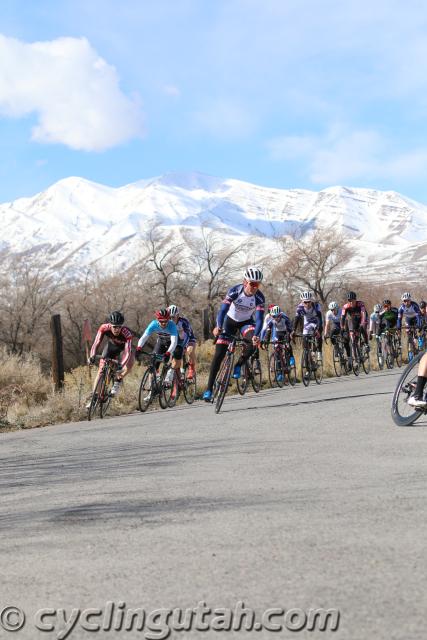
x,y
166,357
91,360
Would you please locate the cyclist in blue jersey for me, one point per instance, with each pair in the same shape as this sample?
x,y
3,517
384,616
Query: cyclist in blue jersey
x,y
167,338
237,311
186,341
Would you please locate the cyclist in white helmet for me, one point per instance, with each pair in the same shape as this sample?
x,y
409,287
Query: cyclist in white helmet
x,y
374,322
242,310
309,314
186,341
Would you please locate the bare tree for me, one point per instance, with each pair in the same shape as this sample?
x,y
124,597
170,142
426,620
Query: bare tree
x,y
216,259
28,293
314,261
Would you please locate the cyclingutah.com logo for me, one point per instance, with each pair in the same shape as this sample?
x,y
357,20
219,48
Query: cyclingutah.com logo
x,y
158,624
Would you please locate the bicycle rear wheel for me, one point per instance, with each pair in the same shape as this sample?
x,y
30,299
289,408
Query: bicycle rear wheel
x,y
337,360
222,381
398,353
305,367
243,381
256,374
146,391
318,370
365,356
190,387
402,413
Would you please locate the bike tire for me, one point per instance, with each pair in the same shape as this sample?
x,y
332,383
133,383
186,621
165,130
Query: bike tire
x,y
318,371
380,356
106,397
173,392
243,382
403,391
95,400
272,370
223,380
305,369
366,359
256,374
337,361
190,387
146,391
398,355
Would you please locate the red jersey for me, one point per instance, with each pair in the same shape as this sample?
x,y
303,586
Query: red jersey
x,y
123,340
358,313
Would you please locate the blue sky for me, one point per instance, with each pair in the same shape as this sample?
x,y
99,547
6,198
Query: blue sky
x,y
284,93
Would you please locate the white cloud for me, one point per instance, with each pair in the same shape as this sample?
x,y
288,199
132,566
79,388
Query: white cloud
x,y
171,90
342,155
72,90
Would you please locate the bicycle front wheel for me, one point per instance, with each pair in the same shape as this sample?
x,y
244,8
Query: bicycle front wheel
x,y
190,387
272,370
402,413
366,361
146,391
318,370
95,402
243,381
337,360
222,381
380,355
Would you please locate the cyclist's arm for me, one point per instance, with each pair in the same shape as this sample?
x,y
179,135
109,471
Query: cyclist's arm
x,y
127,350
98,340
147,333
259,320
222,313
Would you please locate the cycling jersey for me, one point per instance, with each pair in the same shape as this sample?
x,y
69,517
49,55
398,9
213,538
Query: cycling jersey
x,y
168,333
388,318
185,332
355,316
374,323
277,324
311,316
411,314
121,342
334,318
241,307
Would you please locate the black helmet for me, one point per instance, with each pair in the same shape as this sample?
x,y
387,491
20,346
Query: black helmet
x,y
116,318
351,295
423,304
387,302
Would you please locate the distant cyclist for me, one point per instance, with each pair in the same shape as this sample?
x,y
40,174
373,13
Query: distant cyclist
x,y
118,346
309,315
186,341
333,326
354,316
374,322
167,338
278,324
388,316
409,313
242,310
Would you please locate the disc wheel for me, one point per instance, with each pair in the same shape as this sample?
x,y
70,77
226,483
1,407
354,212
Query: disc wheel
x,y
402,413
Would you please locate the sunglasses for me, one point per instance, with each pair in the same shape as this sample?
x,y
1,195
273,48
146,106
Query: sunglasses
x,y
116,326
253,284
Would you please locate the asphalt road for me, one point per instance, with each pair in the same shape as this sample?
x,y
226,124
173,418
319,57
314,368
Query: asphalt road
x,y
295,499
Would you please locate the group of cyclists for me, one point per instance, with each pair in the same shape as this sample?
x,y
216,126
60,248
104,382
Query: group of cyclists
x,y
242,313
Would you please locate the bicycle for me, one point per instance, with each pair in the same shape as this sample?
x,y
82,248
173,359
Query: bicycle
x,y
388,348
311,360
250,372
360,353
222,380
101,397
379,352
153,384
182,383
412,343
339,356
280,370
402,413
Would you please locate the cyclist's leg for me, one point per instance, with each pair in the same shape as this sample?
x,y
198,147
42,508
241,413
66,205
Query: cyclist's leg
x,y
418,398
191,353
230,328
247,332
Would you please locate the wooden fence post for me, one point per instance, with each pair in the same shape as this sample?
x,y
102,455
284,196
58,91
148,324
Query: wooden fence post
x,y
57,352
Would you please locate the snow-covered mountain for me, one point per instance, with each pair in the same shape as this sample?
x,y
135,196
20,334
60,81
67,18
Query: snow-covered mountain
x,y
76,222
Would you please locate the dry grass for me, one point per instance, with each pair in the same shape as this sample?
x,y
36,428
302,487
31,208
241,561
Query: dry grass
x,y
27,397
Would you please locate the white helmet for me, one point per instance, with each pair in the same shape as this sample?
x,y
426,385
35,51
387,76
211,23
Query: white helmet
x,y
406,296
333,305
253,273
275,311
377,308
305,296
173,309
